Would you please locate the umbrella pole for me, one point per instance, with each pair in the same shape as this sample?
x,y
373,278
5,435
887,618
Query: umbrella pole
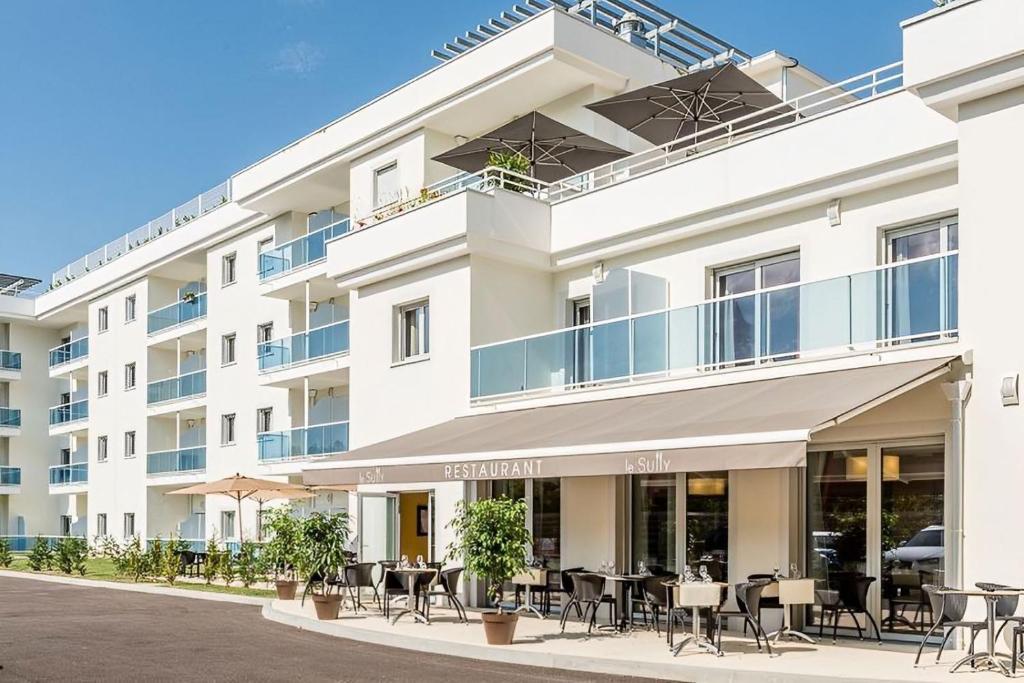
x,y
239,520
259,522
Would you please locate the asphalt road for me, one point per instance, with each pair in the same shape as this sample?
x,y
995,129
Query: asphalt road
x,y
51,632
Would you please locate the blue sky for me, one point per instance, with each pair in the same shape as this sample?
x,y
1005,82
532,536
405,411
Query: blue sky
x,y
112,113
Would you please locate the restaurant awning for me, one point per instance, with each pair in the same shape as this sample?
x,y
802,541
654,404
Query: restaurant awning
x,y
554,150
749,425
695,102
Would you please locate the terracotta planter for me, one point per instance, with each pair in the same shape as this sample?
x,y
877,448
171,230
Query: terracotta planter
x,y
286,589
500,629
327,606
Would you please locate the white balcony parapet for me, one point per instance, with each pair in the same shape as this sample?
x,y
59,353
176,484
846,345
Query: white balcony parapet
x,y
892,306
175,218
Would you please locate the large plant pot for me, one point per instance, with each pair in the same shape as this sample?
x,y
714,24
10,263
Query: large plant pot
x,y
327,606
499,629
286,589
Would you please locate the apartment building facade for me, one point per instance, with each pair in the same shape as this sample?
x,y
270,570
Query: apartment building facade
x,y
768,342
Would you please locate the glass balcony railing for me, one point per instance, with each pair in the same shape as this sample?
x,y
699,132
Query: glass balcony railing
x,y
174,388
178,313
895,305
180,460
10,417
303,442
10,476
321,342
69,412
10,360
65,353
300,252
75,473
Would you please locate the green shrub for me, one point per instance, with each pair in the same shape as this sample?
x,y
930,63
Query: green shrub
x,y
71,554
228,569
135,560
249,563
283,531
491,539
172,559
324,537
41,555
6,558
211,569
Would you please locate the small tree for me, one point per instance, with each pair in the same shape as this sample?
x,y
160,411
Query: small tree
x,y
284,536
172,559
211,568
134,560
324,538
249,563
516,163
228,568
491,539
41,555
71,554
6,558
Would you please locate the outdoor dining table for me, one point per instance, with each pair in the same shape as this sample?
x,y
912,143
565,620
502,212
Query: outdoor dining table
x,y
624,584
530,579
989,659
791,592
411,576
696,595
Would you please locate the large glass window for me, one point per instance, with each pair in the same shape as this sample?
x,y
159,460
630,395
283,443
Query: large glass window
x,y
654,521
757,325
707,523
547,521
913,543
509,488
915,306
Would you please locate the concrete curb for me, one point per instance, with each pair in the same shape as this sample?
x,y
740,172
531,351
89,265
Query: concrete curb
x,y
138,588
670,669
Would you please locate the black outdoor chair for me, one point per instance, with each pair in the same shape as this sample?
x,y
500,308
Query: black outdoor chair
x,y
569,588
769,602
654,598
850,595
357,577
949,613
391,586
748,599
590,592
447,585
1006,606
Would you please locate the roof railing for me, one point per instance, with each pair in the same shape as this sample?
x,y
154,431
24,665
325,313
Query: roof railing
x,y
175,218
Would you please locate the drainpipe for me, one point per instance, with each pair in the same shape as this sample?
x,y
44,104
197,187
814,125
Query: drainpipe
x,y
956,393
784,85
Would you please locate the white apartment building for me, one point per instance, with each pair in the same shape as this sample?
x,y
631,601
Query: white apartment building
x,y
752,343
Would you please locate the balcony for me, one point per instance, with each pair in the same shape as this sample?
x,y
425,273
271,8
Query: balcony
x,y
300,252
10,418
184,311
321,342
69,475
182,460
176,388
303,442
10,360
10,479
893,306
68,353
67,413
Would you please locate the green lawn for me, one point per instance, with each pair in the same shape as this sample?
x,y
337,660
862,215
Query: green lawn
x,y
102,569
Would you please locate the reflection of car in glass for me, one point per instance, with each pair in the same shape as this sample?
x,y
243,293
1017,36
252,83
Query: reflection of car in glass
x,y
924,547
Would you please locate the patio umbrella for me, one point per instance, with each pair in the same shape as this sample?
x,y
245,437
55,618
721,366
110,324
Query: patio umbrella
x,y
239,488
687,105
554,150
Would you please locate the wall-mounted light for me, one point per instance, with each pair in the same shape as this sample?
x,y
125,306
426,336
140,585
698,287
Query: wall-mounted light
x,y
190,424
834,212
1008,390
598,271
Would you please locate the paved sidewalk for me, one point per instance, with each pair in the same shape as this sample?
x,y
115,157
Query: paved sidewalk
x,y
55,631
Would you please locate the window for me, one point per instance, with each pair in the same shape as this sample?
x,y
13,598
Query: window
x,y
129,524
385,184
101,524
654,521
921,295
129,376
227,429
129,308
264,246
102,319
414,330
101,383
757,327
228,273
129,444
919,241
227,349
101,449
264,333
65,525
264,420
227,524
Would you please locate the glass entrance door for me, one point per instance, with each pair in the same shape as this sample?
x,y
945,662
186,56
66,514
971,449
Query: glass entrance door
x,y
378,524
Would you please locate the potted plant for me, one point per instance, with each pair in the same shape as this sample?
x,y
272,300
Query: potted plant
x,y
324,537
491,540
281,550
517,165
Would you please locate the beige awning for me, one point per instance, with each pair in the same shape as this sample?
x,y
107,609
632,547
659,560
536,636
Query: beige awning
x,y
749,425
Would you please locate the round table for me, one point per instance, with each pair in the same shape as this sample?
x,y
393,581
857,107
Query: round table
x,y
989,659
410,576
